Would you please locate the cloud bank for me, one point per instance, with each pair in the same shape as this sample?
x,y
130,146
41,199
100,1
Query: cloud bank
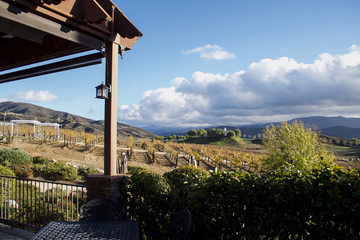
x,y
270,90
212,52
32,96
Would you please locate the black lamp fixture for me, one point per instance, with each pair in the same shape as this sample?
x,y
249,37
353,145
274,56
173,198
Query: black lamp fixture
x,y
102,91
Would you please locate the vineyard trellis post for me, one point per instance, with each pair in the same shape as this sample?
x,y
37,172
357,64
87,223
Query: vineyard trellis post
x,y
124,166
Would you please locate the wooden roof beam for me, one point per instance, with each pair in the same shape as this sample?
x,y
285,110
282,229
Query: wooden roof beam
x,y
93,12
69,64
29,19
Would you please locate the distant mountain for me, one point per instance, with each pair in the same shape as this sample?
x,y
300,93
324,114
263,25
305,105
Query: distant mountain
x,y
18,111
328,122
342,132
167,131
331,126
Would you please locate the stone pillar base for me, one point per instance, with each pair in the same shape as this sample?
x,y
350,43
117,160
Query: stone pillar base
x,y
104,186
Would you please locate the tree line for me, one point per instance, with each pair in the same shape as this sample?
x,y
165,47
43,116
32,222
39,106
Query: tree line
x,y
212,133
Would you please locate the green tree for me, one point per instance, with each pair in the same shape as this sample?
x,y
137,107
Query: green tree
x,y
192,133
202,132
355,141
237,132
230,134
219,133
293,145
216,133
212,132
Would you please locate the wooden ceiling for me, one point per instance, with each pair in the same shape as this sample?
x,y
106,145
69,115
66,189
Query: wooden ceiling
x,y
32,31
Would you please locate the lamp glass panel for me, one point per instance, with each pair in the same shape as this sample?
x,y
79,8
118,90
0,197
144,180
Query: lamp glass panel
x,y
99,92
105,93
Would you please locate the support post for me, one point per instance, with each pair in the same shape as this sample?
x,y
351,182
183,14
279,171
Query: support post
x,y
110,144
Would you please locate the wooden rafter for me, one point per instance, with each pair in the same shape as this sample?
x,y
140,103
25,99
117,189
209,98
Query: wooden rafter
x,y
33,31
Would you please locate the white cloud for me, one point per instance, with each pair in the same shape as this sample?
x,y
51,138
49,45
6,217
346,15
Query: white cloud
x,y
213,52
270,90
32,96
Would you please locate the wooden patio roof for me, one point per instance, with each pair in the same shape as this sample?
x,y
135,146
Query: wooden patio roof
x,y
32,31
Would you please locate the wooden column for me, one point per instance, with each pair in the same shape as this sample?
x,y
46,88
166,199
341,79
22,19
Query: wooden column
x,y
110,153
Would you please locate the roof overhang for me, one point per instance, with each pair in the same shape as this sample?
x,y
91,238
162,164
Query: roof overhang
x,y
32,31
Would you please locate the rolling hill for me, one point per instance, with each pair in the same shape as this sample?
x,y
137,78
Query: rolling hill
x,y
329,122
17,110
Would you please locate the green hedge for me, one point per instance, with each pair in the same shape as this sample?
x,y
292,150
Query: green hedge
x,y
323,204
148,199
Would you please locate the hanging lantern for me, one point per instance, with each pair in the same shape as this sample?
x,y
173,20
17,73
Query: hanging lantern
x,y
102,91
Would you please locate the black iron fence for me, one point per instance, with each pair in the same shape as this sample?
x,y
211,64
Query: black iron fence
x,y
34,203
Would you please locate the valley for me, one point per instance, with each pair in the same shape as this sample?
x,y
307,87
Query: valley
x,y
246,152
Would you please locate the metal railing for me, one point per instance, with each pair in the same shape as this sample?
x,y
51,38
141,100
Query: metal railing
x,y
34,203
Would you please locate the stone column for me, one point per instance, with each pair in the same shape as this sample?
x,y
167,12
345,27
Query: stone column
x,y
104,186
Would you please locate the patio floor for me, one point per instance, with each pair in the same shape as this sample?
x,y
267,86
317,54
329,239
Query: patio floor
x,y
10,233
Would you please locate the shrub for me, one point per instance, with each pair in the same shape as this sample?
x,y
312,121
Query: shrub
x,y
37,170
22,171
39,160
135,169
57,171
14,156
148,201
44,208
294,146
85,171
323,203
184,180
5,171
6,184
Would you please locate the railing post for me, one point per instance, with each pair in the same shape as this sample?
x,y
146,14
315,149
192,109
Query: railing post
x,y
123,168
23,195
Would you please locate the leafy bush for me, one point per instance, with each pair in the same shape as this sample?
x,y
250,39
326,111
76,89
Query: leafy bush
x,y
135,169
84,171
294,146
56,171
6,184
14,156
43,208
184,180
321,204
148,199
37,170
5,171
39,160
186,176
22,171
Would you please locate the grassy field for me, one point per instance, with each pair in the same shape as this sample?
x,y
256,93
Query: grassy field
x,y
345,152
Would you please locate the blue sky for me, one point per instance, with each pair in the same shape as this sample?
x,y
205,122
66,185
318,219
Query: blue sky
x,y
227,62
